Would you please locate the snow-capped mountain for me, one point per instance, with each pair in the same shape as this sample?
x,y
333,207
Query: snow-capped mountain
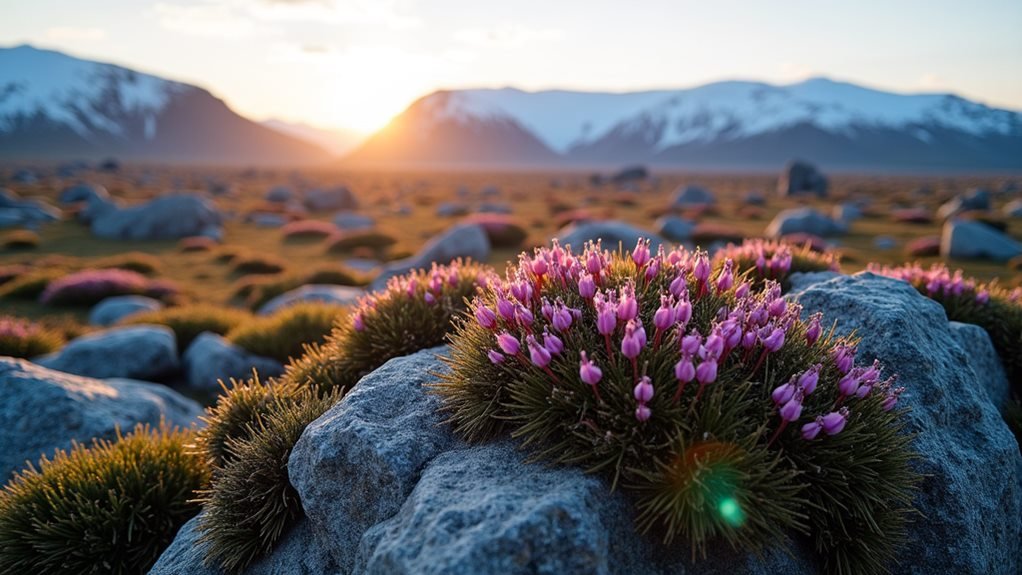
x,y
721,124
56,106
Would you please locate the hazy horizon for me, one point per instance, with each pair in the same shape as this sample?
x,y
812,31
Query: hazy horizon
x,y
353,65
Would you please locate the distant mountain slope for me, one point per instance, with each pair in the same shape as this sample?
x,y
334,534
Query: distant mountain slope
x,y
56,106
337,142
720,124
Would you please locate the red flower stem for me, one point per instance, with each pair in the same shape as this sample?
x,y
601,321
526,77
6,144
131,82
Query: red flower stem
x,y
784,423
681,389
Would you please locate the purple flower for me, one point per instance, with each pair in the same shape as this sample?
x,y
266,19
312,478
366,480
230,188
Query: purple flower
x,y
538,354
749,339
691,343
683,311
707,371
358,322
627,306
634,339
808,380
486,317
849,383
792,410
508,343
835,421
653,268
678,286
539,266
561,318
814,331
505,308
552,343
726,279
774,341
643,412
606,317
430,298
664,316
776,307
685,370
588,371
594,262
783,393
891,398
495,356
523,315
640,255
701,271
643,390
812,429
844,358
586,285
983,296
743,290
714,346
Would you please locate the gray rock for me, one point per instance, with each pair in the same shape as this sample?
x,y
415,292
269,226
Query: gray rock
x,y
146,352
799,281
451,210
804,221
355,466
1013,209
692,197
675,229
210,359
168,217
971,494
25,213
279,194
322,293
972,239
885,243
847,212
975,341
83,193
44,410
113,309
754,199
339,198
267,220
612,232
494,208
352,221
297,553
801,178
364,265
976,200
466,240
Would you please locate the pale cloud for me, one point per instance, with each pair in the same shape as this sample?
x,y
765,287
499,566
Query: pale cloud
x,y
791,71
390,14
930,81
215,18
75,33
507,36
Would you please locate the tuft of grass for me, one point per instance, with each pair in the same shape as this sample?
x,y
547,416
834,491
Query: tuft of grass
x,y
706,457
30,284
251,503
138,262
775,260
372,240
88,287
284,334
22,338
187,322
111,508
258,264
20,240
413,313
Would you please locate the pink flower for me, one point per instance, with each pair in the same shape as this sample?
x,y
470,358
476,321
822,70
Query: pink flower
x,y
792,410
774,341
835,421
653,268
539,266
783,393
495,356
606,317
812,429
701,270
808,380
743,290
552,343
508,343
685,370
664,316
643,390
358,322
983,296
678,286
848,384
814,331
683,311
523,315
714,346
634,339
707,371
691,343
505,308
486,317
844,358
891,398
643,412
640,255
726,279
594,262
589,372
776,307
586,286
430,298
538,354
627,306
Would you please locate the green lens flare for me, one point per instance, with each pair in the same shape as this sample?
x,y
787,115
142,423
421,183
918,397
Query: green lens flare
x,y
731,512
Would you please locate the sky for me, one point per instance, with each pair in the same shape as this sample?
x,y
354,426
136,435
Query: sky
x,y
354,64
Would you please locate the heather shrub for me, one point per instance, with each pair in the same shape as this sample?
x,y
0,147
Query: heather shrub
x,y
187,322
30,284
22,338
284,334
995,309
307,230
90,286
109,508
723,413
774,260
414,312
257,264
259,290
251,503
12,271
373,240
20,240
196,244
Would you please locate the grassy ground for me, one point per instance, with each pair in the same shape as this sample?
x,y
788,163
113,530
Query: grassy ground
x,y
536,200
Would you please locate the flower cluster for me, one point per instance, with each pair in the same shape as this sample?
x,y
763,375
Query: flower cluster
x,y
22,338
644,365
775,260
937,282
87,287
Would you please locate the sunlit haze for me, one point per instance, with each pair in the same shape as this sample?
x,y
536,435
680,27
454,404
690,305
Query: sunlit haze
x,y
354,64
